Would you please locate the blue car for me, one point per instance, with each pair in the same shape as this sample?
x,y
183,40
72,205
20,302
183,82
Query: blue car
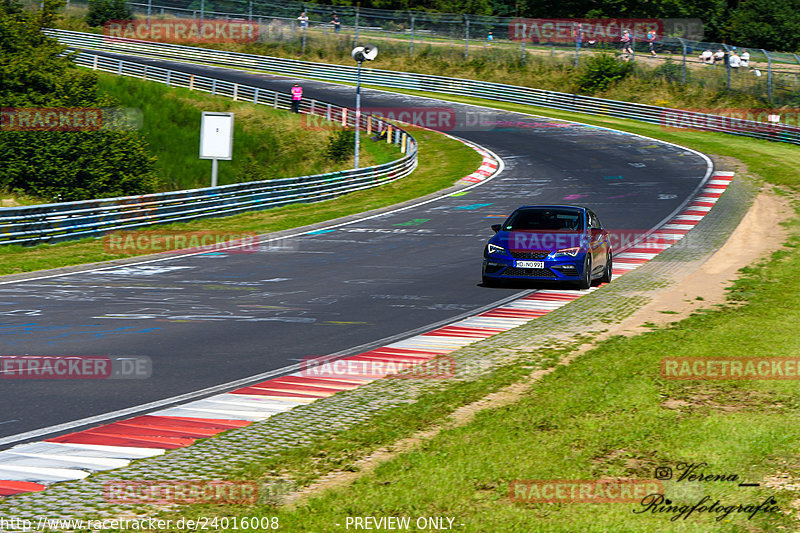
x,y
561,243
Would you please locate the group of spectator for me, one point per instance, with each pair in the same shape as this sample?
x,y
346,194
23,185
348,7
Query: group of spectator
x,y
626,42
335,22
733,60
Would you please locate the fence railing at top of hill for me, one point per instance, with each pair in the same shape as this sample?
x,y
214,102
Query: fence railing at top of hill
x,y
678,40
50,223
771,128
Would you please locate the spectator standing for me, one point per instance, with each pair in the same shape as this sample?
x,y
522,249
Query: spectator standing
x,y
489,39
745,58
734,61
651,42
626,43
297,96
303,18
337,24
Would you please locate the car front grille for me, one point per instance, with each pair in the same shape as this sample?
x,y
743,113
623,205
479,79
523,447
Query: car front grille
x,y
539,254
533,272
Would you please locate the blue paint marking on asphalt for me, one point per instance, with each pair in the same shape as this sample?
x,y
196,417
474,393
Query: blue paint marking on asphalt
x,y
61,332
472,206
213,253
612,177
320,231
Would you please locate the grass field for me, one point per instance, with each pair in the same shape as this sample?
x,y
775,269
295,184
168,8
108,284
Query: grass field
x,y
608,414
267,143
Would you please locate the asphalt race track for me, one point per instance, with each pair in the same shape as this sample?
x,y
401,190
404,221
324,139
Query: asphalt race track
x,y
209,319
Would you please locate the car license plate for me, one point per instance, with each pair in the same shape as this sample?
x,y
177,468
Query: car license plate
x,y
529,264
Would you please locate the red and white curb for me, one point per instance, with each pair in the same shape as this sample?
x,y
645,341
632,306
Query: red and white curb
x,y
488,166
31,467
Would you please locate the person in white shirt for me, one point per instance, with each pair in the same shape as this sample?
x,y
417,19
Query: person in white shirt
x,y
719,56
734,61
707,57
303,18
745,58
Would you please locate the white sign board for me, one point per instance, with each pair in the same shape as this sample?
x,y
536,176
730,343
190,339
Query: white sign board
x,y
216,136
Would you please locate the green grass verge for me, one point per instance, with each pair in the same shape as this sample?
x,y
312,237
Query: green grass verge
x,y
442,161
608,414
267,143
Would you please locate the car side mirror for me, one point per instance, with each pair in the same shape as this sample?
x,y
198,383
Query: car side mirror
x,y
496,227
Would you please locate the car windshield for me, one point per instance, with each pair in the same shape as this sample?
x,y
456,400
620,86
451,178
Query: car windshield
x,y
545,220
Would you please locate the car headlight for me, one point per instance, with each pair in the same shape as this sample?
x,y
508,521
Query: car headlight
x,y
494,249
571,252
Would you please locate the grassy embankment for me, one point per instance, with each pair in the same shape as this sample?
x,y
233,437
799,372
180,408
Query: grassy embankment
x,y
267,144
654,82
608,414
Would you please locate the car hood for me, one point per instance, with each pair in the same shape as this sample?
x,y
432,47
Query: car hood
x,y
519,241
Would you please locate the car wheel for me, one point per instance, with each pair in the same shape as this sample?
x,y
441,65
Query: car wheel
x,y
491,282
586,279
607,272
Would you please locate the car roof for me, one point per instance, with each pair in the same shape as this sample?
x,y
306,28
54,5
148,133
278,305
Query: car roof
x,y
581,208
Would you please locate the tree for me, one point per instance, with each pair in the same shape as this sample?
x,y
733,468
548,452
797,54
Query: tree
x,y
769,24
63,165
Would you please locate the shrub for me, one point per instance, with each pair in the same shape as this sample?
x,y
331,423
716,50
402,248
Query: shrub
x,y
101,11
670,71
601,71
341,145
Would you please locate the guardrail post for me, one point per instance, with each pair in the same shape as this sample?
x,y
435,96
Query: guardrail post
x,y
344,116
769,76
683,71
275,102
119,67
388,133
214,87
358,13
328,113
255,96
403,143
522,43
369,125
168,77
313,103
576,28
796,58
144,73
727,66
466,36
411,44
191,82
235,91
94,63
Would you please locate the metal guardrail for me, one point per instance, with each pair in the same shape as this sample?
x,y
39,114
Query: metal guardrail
x,y
70,220
667,117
